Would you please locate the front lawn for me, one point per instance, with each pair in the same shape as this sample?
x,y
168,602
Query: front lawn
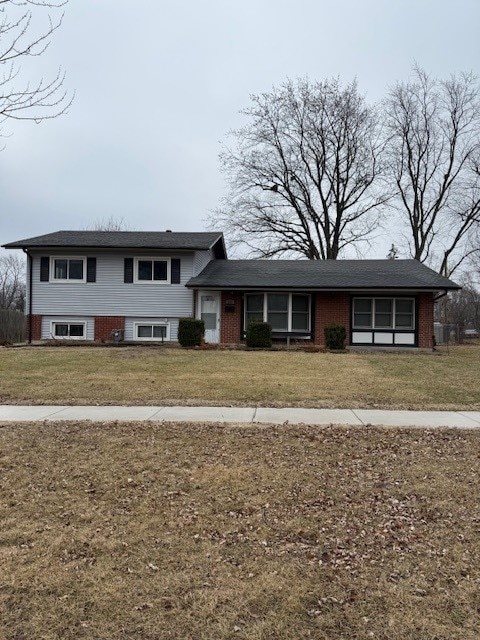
x,y
156,376
163,531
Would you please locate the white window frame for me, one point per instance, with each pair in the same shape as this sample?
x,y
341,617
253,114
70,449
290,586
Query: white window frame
x,y
152,259
289,310
67,280
68,322
394,313
151,324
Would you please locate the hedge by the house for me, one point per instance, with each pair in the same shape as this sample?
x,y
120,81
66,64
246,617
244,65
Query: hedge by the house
x,y
259,335
335,336
191,332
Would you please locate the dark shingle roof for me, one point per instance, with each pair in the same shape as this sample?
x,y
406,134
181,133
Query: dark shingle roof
x,y
122,240
320,274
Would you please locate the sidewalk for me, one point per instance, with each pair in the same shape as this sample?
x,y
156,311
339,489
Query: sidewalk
x,y
248,415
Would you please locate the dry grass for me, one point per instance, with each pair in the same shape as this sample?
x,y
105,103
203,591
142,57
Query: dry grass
x,y
161,531
138,375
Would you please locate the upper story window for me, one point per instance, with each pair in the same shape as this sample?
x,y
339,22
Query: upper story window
x,y
152,270
67,269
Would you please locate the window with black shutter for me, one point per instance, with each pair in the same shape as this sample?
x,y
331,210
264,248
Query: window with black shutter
x,y
152,270
66,269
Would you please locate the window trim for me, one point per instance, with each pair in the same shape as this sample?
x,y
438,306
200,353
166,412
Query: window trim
x,y
68,322
289,311
394,327
137,259
138,323
54,280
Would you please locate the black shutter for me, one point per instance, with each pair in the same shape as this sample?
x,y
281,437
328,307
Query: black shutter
x,y
175,270
91,269
128,270
44,269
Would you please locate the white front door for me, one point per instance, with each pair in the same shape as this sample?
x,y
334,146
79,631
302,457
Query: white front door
x,y
210,314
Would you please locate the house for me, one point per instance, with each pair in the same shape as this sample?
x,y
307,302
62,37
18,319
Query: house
x,y
84,285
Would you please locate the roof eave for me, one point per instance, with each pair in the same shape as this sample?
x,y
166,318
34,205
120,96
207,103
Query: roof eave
x,y
433,289
13,245
65,247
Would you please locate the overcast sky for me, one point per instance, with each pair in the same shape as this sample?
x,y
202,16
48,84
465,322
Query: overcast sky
x,y
159,84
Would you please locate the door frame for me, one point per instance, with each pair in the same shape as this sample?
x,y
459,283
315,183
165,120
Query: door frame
x,y
198,314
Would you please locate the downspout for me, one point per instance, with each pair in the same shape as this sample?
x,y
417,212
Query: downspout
x,y
30,274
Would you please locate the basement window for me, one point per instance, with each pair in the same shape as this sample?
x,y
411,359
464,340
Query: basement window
x,y
68,330
152,331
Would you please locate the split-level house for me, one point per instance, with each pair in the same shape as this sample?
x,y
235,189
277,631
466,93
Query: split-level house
x,y
92,285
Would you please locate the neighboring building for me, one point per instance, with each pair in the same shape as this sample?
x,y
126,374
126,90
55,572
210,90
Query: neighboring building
x,y
86,284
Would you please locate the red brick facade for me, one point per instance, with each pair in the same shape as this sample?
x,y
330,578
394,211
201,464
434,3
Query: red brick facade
x,y
425,320
230,321
104,325
328,308
34,328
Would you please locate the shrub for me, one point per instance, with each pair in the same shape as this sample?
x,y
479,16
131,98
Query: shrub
x,y
190,332
335,336
259,335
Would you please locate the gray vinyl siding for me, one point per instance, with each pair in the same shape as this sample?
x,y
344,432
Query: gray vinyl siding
x,y
110,295
200,260
129,322
47,325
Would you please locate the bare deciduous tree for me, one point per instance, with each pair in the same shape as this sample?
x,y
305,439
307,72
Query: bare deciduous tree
x,y
434,162
303,172
474,262
13,326
12,283
463,307
19,40
110,223
393,254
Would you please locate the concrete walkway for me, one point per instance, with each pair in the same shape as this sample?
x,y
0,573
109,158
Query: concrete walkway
x,y
249,415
